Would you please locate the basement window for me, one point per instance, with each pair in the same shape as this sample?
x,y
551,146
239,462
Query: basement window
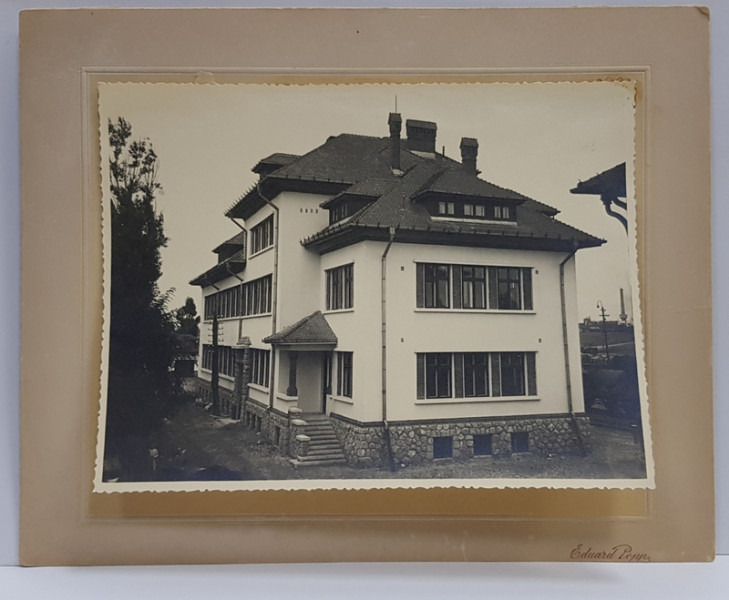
x,y
519,442
443,447
482,444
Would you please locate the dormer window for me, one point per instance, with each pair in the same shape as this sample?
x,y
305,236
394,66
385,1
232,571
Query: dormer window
x,y
502,212
446,208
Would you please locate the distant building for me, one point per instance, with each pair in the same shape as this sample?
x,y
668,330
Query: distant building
x,y
383,304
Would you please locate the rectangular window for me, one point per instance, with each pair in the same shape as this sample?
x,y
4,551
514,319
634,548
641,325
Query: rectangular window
x,y
446,208
438,375
340,287
483,444
443,447
476,374
262,235
473,287
509,288
519,442
480,210
260,367
344,374
226,359
436,286
468,210
255,296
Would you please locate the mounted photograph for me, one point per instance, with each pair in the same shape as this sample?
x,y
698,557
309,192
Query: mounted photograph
x,y
371,285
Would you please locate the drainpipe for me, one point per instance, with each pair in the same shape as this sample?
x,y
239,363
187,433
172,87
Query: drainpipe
x,y
388,441
565,342
274,294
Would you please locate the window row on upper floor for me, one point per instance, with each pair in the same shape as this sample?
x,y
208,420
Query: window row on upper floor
x,y
473,287
250,298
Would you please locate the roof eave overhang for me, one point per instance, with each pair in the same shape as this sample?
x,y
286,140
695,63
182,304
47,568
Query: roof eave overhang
x,y
353,234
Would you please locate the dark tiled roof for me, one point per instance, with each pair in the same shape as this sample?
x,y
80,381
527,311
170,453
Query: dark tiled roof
x,y
313,329
609,183
459,182
275,161
360,166
237,240
368,188
234,264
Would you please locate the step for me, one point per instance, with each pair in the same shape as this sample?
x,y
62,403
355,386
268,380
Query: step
x,y
318,461
323,444
326,452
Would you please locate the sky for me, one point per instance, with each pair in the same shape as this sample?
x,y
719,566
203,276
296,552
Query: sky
x,y
538,139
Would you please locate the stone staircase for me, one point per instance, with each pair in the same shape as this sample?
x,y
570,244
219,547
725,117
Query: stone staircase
x,y
324,447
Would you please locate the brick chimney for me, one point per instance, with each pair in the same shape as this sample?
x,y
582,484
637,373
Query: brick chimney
x,y
421,136
469,153
395,123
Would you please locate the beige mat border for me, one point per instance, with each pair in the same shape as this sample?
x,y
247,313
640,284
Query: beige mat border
x,y
63,523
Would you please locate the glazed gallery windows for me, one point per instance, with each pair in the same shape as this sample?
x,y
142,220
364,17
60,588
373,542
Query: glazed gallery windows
x,y
473,287
476,374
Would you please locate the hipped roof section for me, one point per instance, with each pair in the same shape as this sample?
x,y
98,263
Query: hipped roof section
x,y
360,166
311,330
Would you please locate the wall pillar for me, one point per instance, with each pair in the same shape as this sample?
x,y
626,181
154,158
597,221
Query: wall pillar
x,y
292,390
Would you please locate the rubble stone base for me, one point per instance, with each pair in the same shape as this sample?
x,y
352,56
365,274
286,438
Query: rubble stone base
x,y
365,444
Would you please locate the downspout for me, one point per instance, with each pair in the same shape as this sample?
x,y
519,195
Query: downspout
x,y
388,442
274,295
565,342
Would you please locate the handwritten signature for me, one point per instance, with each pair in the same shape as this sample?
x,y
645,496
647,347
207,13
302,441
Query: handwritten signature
x,y
618,553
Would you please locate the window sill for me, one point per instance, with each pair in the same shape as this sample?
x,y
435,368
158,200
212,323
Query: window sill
x,y
341,399
254,254
258,387
487,311
480,400
286,398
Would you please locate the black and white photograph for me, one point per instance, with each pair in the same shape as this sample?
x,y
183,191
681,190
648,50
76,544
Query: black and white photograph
x,y
371,285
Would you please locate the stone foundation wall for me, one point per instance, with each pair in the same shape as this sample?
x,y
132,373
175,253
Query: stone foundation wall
x,y
363,445
413,444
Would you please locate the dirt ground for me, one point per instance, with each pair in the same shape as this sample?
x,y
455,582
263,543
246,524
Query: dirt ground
x,y
194,445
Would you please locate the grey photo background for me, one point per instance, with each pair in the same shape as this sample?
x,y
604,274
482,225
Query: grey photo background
x,y
563,581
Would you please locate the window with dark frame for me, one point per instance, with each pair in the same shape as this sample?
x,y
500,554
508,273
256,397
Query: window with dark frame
x,y
260,367
509,288
262,235
340,287
438,375
475,287
344,374
519,442
475,374
443,447
436,284
482,444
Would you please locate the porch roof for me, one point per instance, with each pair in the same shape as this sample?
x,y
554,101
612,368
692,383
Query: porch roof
x,y
310,331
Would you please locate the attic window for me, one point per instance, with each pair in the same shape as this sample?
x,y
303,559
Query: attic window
x,y
502,212
446,208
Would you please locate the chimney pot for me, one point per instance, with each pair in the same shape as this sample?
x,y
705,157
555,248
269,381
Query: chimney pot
x,y
395,123
421,135
469,153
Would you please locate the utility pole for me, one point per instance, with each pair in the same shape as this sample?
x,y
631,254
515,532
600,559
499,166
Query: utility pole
x,y
215,367
604,329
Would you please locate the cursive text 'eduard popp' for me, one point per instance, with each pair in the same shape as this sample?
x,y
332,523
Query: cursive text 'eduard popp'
x,y
619,553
